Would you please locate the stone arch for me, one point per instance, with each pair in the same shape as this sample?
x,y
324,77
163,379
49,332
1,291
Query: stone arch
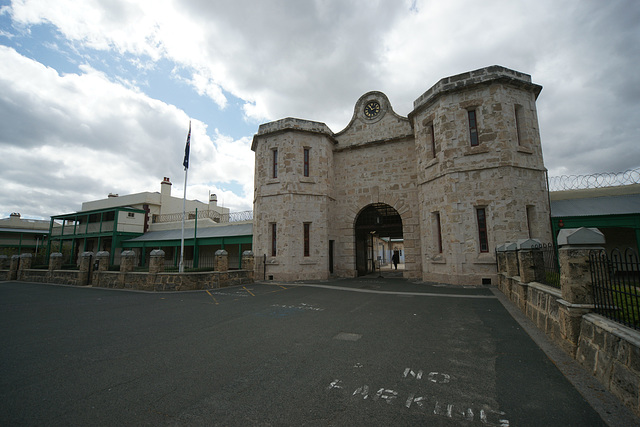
x,y
375,223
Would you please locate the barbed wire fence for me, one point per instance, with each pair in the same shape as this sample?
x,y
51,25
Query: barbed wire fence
x,y
595,180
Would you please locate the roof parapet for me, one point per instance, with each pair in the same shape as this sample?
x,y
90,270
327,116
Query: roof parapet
x,y
292,124
471,78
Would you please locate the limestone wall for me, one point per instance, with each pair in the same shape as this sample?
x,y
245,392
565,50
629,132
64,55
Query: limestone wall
x,y
378,173
381,157
291,199
504,174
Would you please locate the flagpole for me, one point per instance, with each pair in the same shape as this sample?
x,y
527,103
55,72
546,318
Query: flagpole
x,y
185,163
184,204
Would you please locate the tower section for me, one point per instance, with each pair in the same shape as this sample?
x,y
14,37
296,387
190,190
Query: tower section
x,y
481,175
292,197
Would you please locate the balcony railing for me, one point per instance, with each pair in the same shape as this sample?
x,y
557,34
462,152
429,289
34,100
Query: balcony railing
x,y
93,227
212,215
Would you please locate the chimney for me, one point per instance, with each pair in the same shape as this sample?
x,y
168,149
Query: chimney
x,y
112,195
165,187
14,215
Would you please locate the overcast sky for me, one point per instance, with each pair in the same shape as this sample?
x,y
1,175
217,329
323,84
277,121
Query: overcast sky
x,y
96,95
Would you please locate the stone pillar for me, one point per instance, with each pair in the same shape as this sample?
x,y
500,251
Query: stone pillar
x,y
127,261
221,260
156,261
531,260
86,258
4,262
511,259
575,275
13,267
25,264
575,280
102,258
55,261
25,261
248,261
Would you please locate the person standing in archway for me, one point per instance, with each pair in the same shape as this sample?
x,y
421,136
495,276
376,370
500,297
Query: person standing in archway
x,y
395,258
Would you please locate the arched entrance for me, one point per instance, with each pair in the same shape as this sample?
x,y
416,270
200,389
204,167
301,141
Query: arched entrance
x,y
378,230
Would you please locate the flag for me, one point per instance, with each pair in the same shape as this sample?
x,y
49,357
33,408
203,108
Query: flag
x,y
187,147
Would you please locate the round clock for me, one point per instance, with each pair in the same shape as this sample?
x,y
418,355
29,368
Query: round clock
x,y
371,109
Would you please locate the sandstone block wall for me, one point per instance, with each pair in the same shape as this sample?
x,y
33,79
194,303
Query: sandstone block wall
x,y
390,159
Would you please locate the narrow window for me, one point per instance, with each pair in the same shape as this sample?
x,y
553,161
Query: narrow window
x,y
473,128
482,229
306,162
275,164
274,239
518,116
530,215
307,231
433,139
438,231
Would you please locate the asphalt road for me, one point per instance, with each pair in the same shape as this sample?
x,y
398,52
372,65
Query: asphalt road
x,y
348,352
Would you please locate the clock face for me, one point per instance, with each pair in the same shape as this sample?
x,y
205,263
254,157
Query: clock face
x,y
372,109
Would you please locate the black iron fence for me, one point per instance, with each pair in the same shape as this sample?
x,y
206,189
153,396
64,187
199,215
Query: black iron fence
x,y
551,269
616,285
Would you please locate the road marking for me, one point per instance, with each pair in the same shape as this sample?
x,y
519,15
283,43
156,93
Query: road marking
x,y
413,374
335,384
420,294
245,288
214,299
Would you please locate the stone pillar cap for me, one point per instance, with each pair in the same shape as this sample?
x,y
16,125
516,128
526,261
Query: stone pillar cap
x,y
55,255
529,244
103,253
247,253
221,252
508,247
580,236
86,254
4,256
26,255
127,253
15,256
157,252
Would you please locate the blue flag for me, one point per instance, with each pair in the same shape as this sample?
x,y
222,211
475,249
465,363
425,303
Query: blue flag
x,y
187,147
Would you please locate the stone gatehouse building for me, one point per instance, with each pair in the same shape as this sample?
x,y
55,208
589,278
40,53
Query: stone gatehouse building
x,y
461,174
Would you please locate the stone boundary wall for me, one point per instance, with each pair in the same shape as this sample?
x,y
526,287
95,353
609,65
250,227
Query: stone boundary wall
x,y
94,272
608,350
612,355
142,281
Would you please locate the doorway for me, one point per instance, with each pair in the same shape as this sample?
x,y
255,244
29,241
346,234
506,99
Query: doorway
x,y
378,230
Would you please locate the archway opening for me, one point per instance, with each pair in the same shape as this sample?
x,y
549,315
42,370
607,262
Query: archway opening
x,y
378,231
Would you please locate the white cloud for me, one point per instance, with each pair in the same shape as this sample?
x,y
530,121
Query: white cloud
x,y
74,138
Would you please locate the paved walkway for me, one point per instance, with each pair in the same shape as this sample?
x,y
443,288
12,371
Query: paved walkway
x,y
371,351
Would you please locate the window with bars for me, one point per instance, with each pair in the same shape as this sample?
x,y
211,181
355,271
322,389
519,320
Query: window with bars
x,y
306,238
306,162
274,239
483,240
433,139
473,128
274,172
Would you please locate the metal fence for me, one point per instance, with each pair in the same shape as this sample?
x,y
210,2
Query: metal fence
x,y
551,269
616,285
